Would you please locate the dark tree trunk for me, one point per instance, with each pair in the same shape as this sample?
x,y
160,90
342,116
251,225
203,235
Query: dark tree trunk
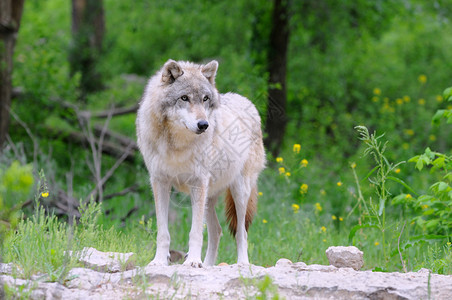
x,y
277,63
88,28
10,15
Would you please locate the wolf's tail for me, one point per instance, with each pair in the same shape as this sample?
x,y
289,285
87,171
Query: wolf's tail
x,y
231,213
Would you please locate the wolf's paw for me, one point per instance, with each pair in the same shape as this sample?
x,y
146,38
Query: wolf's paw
x,y
193,263
157,262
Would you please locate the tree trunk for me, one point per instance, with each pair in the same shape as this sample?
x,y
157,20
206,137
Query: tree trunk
x,y
277,62
88,28
10,15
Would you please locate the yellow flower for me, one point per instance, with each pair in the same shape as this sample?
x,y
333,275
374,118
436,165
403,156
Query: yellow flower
x,y
324,240
304,163
341,219
375,99
376,243
260,193
439,98
353,165
304,188
288,174
422,79
296,148
322,192
397,170
279,159
318,207
339,183
45,194
399,101
334,217
377,91
141,222
264,221
406,146
282,170
421,101
408,196
409,132
406,98
432,137
425,206
448,243
323,229
295,208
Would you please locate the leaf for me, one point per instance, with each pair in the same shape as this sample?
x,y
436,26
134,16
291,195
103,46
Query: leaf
x,y
431,223
442,186
447,94
370,173
382,206
428,212
400,181
436,119
399,199
356,228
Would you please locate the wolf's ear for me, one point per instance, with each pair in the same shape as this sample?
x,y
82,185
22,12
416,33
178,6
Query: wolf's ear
x,y
210,70
171,71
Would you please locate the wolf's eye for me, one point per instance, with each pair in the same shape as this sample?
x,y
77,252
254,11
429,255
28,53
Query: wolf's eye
x,y
184,98
205,98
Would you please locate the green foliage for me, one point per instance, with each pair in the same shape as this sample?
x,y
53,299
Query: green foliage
x,y
16,182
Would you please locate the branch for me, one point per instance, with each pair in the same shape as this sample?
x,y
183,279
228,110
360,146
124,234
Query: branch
x,y
111,112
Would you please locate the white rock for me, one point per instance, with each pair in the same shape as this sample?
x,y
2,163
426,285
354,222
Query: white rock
x,y
102,261
283,262
345,257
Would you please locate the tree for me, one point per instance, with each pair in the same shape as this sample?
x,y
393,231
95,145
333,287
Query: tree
x,y
10,15
277,63
88,29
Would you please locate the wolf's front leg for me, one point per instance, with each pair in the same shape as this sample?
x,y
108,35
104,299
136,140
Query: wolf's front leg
x,y
161,189
198,200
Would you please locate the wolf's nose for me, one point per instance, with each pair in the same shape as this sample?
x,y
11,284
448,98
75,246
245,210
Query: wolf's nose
x,y
202,125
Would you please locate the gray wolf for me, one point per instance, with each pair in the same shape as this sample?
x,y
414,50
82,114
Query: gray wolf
x,y
202,143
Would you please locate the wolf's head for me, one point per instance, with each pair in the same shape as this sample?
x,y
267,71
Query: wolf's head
x,y
190,95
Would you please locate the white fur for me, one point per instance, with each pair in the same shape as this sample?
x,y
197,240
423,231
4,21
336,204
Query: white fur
x,y
229,154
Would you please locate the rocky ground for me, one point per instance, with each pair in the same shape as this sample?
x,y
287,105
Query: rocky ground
x,y
102,278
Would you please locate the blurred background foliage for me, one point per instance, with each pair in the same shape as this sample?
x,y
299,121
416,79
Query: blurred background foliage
x,y
382,64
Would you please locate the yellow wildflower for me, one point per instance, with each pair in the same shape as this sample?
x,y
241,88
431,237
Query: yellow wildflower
x,y
45,194
406,146
334,217
141,222
432,137
339,183
406,98
324,240
399,101
448,243
296,148
397,170
377,91
408,196
422,79
295,207
439,98
288,174
421,101
375,99
304,163
341,219
376,243
425,206
353,165
322,192
318,207
264,221
304,188
279,159
260,193
282,170
409,132
323,229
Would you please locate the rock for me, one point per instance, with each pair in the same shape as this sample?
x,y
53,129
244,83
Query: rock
x,y
103,261
283,262
223,264
345,257
6,268
238,281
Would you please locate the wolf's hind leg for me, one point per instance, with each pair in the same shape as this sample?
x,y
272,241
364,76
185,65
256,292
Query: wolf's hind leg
x,y
240,191
161,190
213,231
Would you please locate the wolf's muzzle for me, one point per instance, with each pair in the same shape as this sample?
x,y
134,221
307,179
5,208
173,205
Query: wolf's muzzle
x,y
202,126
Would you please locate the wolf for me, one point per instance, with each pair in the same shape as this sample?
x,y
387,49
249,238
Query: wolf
x,y
202,143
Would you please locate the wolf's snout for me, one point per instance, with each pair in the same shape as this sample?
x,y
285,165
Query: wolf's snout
x,y
202,126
